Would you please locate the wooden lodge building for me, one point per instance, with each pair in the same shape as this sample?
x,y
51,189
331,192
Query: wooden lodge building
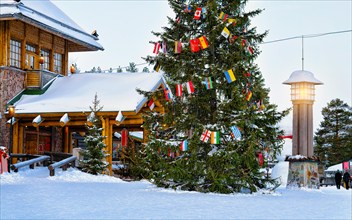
x,y
51,105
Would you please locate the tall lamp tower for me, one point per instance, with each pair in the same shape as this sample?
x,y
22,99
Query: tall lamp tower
x,y
302,96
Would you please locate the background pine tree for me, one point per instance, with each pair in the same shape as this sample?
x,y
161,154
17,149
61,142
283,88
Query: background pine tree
x,y
333,140
232,165
94,154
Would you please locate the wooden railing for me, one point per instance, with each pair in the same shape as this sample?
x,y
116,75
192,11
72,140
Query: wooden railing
x,y
30,162
39,78
62,163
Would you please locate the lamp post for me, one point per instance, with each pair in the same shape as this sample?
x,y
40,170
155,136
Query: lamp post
x,y
302,96
11,114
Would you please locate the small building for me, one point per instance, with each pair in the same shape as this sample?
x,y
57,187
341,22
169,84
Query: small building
x,y
55,121
35,40
51,104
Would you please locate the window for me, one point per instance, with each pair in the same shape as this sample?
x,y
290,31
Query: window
x,y
15,53
30,56
30,48
45,54
57,62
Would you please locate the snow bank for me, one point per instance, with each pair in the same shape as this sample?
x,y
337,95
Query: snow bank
x,y
74,175
280,172
78,195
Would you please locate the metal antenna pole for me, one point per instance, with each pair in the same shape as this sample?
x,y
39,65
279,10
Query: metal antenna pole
x,y
302,52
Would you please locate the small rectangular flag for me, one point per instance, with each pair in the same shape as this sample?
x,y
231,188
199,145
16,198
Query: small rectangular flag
x,y
190,88
194,44
203,42
187,9
178,47
204,12
151,104
167,94
156,67
249,95
261,159
243,42
208,83
236,133
230,76
205,136
197,13
119,118
179,90
223,16
170,153
225,32
232,21
215,137
250,50
184,145
163,47
232,38
156,48
177,19
124,137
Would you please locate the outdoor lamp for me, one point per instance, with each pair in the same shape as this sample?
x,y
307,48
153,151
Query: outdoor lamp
x,y
302,85
11,110
41,59
302,96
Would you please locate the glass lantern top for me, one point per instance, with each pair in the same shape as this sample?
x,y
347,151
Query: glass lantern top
x,y
302,76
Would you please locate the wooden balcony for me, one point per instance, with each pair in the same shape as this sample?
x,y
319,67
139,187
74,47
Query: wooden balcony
x,y
37,79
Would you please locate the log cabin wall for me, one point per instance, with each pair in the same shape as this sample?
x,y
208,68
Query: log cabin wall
x,y
30,37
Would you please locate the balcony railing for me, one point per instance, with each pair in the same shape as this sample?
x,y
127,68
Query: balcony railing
x,y
39,78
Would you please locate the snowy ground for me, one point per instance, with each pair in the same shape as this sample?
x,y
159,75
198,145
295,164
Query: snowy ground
x,y
32,194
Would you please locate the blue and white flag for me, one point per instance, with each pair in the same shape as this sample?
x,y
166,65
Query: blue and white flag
x,y
236,133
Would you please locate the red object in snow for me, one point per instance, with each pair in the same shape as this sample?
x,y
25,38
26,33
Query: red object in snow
x,y
124,137
285,136
3,161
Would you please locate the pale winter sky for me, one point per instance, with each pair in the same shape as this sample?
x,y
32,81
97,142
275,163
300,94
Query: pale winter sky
x,y
124,29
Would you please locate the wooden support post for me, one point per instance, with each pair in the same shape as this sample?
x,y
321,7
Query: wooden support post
x,y
109,146
15,141
20,139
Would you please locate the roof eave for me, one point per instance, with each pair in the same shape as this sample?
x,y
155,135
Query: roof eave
x,y
28,20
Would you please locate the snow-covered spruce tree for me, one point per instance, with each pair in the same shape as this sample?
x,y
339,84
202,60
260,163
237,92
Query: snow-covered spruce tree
x,y
223,119
94,155
333,140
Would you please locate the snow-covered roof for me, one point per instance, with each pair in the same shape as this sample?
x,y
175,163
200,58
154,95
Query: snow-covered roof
x,y
302,76
75,93
47,15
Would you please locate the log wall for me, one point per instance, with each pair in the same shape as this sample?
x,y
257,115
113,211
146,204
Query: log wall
x,y
28,34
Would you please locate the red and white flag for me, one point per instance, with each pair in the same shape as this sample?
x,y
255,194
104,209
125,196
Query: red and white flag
x,y
151,104
197,13
156,48
190,87
205,136
179,90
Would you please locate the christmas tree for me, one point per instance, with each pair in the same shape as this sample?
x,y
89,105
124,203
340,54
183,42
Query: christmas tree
x,y
94,155
218,127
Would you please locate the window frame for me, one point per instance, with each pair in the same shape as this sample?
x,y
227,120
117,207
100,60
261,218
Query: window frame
x,y
15,53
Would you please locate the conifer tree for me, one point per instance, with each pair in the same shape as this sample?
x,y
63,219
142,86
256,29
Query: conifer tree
x,y
94,155
210,47
333,140
132,68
